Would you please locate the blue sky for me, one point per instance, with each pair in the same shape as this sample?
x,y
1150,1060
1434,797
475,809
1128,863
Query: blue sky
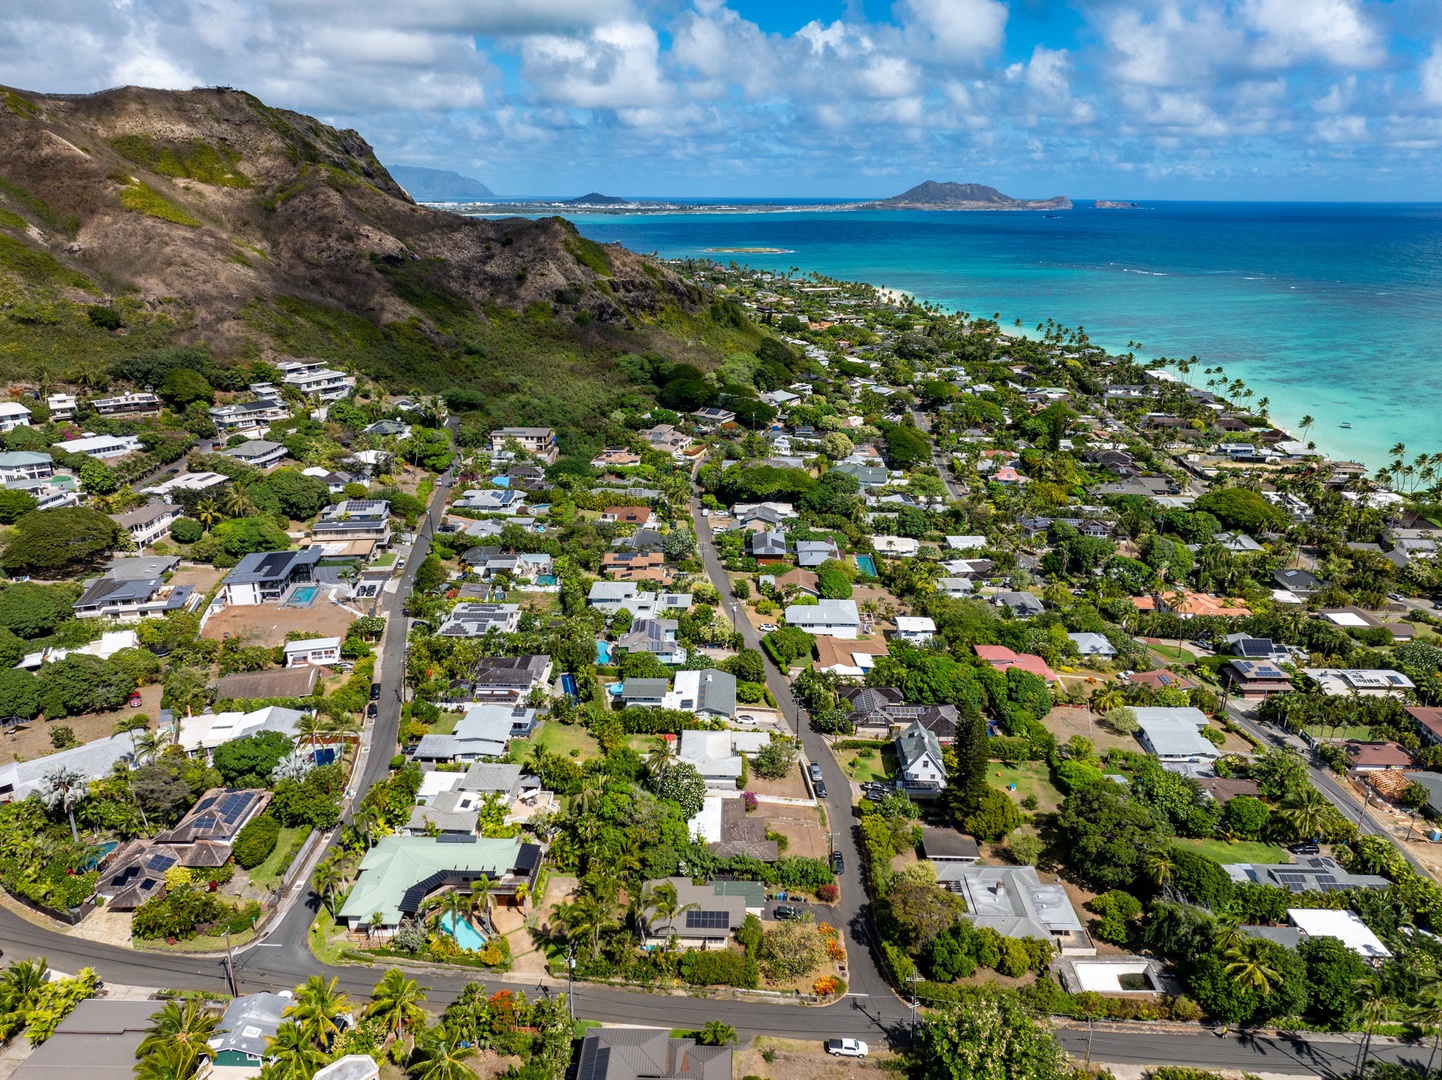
x,y
1181,99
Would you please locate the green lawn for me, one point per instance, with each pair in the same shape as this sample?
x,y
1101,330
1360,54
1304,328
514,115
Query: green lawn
x,y
267,874
1030,778
1240,851
1172,653
558,739
387,559
868,765
445,724
1362,734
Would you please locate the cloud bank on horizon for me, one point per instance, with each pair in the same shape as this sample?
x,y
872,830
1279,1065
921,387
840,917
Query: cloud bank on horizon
x,y
1271,99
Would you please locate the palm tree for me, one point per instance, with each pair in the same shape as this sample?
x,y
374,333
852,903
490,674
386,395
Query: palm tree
x,y
148,745
1372,1010
238,502
481,890
293,1054
588,916
665,906
1307,423
178,1036
397,1001
207,513
1305,812
1247,968
327,881
1160,866
468,1019
441,1056
452,908
1107,699
365,820
318,1005
1426,1010
65,789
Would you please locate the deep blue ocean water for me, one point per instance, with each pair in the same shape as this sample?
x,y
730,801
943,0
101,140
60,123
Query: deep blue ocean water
x,y
1329,309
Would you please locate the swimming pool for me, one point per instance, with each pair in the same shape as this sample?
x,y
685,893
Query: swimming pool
x,y
101,851
546,579
303,596
568,686
603,652
866,564
466,935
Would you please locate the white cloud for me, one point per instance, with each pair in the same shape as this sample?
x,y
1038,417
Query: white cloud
x,y
615,66
1431,76
957,31
1334,31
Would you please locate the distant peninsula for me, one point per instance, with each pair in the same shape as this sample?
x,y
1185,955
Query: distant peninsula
x,y
439,185
1112,204
932,195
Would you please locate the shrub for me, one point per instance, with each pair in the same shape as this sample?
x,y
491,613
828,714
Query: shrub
x,y
828,894
256,841
720,967
186,531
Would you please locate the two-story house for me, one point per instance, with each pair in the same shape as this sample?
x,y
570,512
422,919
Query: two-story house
x,y
539,442
149,523
313,379
919,758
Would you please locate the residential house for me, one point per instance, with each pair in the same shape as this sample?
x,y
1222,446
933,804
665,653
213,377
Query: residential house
x,y
610,597
644,693
815,552
1162,679
1187,604
149,523
640,540
954,586
351,520
1376,756
798,580
1301,582
1255,680
312,652
1237,542
655,636
712,417
904,547
666,438
189,481
350,1067
1343,682
848,657
92,760
768,546
1001,658
26,465
723,825
707,914
1093,645
62,406
451,812
639,516
1429,723
484,732
949,851
868,476
966,543
241,1039
473,619
101,447
97,1040
50,493
131,405
917,630
1341,924
267,576
253,685
637,566
258,453
313,379
1013,901
919,758
491,501
618,458
540,443
1174,734
769,512
1022,605
389,429
13,415
829,618
128,598
248,417
400,873
199,735
491,562
1252,648
717,754
710,694
509,680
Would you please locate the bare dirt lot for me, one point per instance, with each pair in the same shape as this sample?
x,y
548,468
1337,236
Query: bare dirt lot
x,y
267,624
790,786
798,1060
800,825
1065,721
34,741
204,578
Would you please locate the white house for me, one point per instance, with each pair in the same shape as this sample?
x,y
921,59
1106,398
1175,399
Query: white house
x,y
923,771
25,465
717,754
149,523
708,693
828,618
1342,682
62,406
1173,734
13,415
916,629
1093,645
965,543
101,446
314,379
904,546
313,652
259,453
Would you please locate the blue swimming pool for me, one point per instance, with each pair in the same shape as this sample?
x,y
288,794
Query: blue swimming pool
x,y
546,579
603,652
304,596
466,935
101,851
568,686
866,564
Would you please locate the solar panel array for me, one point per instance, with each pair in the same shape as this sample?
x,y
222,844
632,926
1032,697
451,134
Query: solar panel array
x,y
708,920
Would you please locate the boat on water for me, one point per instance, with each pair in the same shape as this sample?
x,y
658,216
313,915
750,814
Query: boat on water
x,y
1346,425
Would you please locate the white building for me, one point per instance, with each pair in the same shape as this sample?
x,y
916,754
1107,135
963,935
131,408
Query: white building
x,y
1342,682
537,441
149,523
1174,734
25,465
62,406
313,652
829,618
259,453
101,446
314,379
1343,925
13,415
923,770
916,629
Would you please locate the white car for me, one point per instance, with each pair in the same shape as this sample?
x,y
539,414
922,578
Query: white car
x,y
847,1048
768,628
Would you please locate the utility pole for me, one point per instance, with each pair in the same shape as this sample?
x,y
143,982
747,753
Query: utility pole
x,y
571,979
913,979
230,965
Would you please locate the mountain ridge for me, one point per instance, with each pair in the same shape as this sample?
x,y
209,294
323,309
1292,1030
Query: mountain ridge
x,y
949,195
439,185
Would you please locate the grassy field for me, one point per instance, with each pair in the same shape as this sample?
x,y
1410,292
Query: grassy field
x,y
1362,733
568,740
867,765
267,874
1240,851
1030,778
1174,654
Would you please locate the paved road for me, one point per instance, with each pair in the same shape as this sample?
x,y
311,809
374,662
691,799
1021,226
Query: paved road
x,y
940,460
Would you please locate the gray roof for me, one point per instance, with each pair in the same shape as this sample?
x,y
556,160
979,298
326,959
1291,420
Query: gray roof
x,y
254,448
248,1022
484,778
350,1067
645,688
824,613
940,843
916,742
145,514
1317,873
1174,737
1013,901
147,566
634,1053
768,543
1021,603
271,565
95,1042
15,458
92,760
716,692
815,552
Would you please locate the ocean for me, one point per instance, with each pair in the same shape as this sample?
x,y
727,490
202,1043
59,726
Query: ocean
x,y
1332,310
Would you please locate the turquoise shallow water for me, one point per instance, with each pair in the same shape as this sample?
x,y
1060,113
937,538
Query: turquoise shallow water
x,y
1332,310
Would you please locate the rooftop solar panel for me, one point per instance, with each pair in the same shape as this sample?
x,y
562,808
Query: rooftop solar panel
x,y
708,920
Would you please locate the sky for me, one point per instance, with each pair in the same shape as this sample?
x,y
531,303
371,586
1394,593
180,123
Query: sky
x,y
1161,99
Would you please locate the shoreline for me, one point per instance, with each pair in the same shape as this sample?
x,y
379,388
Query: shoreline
x,y
898,297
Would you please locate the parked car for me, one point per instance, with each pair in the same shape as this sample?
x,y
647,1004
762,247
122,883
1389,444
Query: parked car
x,y
375,690
1312,848
820,787
134,700
815,770
768,628
847,1048
873,794
786,911
838,863
371,711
